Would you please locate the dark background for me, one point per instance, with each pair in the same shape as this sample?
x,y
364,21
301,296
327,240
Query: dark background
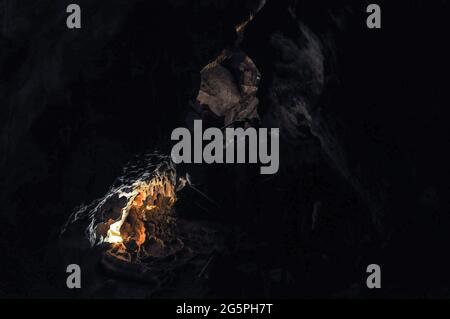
x,y
369,166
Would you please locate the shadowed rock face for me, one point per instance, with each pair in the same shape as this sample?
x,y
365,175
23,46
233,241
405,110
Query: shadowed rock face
x,y
230,90
359,94
136,46
77,103
218,90
62,90
362,115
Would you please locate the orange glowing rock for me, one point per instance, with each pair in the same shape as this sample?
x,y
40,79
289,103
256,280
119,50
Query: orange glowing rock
x,y
137,225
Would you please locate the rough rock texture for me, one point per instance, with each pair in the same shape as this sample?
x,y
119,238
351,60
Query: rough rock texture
x,y
363,117
230,91
77,104
218,90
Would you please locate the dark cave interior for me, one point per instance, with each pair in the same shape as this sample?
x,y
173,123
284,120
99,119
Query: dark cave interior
x,y
363,123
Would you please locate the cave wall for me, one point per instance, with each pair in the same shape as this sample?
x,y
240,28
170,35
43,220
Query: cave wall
x,y
363,117
76,104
